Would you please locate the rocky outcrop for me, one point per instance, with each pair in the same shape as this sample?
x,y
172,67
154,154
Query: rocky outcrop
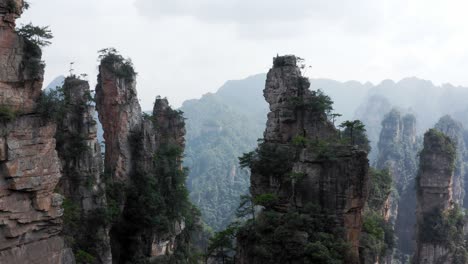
x,y
82,184
299,141
21,71
142,167
397,151
455,131
435,199
397,147
120,114
30,210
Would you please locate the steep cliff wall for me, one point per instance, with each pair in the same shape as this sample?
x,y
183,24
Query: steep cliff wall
x,y
82,185
300,166
30,210
440,237
455,131
120,115
145,181
397,151
397,148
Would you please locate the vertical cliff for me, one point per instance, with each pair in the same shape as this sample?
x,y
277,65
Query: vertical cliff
x,y
455,131
145,181
120,114
440,237
397,147
82,185
397,151
377,238
30,210
301,172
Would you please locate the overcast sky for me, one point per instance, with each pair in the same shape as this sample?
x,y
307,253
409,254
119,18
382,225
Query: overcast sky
x,y
185,48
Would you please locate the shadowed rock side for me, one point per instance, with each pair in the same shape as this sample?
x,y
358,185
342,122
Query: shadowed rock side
x,y
332,179
30,211
143,172
440,236
397,150
82,185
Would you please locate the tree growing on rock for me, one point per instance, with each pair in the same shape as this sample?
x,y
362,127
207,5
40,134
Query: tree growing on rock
x,y
39,36
355,131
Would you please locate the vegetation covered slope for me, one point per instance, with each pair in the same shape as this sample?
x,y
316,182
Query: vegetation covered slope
x,y
220,127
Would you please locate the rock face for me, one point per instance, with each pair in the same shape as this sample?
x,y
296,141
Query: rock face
x,y
142,155
30,210
455,131
121,118
120,115
435,197
397,146
21,72
82,184
296,125
397,151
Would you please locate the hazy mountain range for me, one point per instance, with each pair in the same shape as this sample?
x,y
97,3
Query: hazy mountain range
x,y
222,126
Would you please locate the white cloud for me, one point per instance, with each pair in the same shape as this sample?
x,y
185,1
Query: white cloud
x,y
357,15
184,48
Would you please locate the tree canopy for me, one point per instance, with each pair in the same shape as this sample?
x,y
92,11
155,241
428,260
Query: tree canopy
x,y
40,36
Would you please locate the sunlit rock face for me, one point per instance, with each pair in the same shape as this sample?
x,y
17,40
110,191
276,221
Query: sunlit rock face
x,y
30,210
132,142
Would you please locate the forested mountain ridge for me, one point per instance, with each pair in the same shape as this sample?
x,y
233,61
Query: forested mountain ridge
x,y
220,127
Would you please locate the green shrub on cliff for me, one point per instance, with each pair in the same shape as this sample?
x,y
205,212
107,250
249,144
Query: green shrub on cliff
x,y
302,236
322,103
355,133
377,235
39,36
156,202
268,159
52,104
117,64
35,38
380,188
6,113
443,227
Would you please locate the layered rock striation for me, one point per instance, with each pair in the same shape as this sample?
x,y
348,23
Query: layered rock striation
x,y
30,210
300,164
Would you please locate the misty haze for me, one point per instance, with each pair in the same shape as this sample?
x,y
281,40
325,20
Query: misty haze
x,y
233,132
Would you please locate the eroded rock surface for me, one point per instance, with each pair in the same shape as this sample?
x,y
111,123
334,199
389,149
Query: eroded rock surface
x,y
455,131
30,210
397,150
334,179
143,157
435,198
82,183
